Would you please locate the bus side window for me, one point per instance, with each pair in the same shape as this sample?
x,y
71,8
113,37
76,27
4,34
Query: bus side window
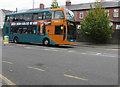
x,y
48,15
27,17
35,15
18,18
21,18
40,16
34,30
7,19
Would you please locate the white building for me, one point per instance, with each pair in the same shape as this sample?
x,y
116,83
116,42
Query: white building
x,y
2,16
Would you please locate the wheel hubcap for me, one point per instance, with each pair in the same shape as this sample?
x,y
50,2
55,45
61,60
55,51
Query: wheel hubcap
x,y
46,42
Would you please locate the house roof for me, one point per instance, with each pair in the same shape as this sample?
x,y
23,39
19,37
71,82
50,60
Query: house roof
x,y
6,11
85,6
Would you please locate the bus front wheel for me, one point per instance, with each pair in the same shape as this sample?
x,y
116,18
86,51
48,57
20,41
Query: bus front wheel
x,y
46,42
16,40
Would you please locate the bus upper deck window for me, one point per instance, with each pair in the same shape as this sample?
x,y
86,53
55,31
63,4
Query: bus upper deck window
x,y
27,17
40,16
7,18
35,15
48,15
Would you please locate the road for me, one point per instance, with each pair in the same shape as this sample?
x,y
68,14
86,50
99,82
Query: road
x,y
31,64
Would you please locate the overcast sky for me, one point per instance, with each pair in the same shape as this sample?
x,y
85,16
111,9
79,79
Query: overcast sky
x,y
28,4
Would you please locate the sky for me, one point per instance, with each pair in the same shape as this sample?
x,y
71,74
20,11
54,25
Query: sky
x,y
28,4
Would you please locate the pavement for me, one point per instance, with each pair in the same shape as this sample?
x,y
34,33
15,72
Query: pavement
x,y
91,45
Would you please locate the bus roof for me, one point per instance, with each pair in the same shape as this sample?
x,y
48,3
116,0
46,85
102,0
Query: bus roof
x,y
36,11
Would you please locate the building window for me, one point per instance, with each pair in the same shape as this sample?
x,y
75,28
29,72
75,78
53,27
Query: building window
x,y
81,15
118,27
116,12
111,24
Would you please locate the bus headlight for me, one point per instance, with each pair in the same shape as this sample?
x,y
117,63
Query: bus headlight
x,y
62,27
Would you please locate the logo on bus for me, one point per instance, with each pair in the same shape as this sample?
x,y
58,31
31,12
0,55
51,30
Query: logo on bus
x,y
23,23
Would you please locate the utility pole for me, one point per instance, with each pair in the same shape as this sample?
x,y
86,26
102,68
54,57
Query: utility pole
x,y
16,10
33,3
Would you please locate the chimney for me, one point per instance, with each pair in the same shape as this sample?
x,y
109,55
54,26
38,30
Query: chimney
x,y
42,6
68,3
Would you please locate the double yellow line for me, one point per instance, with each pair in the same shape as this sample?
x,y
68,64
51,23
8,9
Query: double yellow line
x,y
7,81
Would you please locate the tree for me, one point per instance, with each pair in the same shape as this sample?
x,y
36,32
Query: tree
x,y
96,27
54,4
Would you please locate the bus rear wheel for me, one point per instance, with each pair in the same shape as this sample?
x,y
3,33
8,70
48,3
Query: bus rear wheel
x,y
46,42
16,40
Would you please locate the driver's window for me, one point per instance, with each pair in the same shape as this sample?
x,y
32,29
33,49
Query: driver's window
x,y
57,15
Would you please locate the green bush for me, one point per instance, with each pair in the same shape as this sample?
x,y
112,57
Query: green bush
x,y
96,27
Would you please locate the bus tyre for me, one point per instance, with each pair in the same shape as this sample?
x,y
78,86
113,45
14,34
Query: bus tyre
x,y
46,42
16,40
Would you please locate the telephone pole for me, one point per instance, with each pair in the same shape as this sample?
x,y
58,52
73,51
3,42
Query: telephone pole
x,y
33,3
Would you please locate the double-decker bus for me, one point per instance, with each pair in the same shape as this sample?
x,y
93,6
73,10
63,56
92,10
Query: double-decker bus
x,y
49,27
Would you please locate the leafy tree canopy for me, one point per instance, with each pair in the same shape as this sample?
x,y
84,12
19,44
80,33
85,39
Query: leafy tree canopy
x,y
54,5
96,26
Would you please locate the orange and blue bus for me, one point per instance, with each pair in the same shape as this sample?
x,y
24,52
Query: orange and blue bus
x,y
49,27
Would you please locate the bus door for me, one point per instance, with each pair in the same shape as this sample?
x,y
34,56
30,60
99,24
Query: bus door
x,y
58,24
6,27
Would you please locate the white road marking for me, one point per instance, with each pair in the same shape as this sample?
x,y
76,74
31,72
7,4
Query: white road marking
x,y
28,47
21,45
83,53
113,49
37,46
71,51
54,50
101,54
64,49
98,53
46,49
